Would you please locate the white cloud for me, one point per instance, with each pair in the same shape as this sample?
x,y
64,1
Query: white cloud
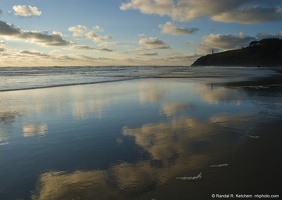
x,y
98,28
170,28
110,43
58,33
26,11
240,11
97,38
160,7
42,38
153,43
55,52
77,31
80,31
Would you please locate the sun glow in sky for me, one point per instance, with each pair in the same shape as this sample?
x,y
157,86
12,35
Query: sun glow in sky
x,y
130,32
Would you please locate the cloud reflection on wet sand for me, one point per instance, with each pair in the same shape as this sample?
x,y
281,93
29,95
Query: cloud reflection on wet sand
x,y
121,181
7,118
170,109
216,95
31,130
173,153
150,92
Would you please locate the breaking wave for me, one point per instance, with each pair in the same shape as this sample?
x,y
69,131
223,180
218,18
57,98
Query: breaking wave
x,y
190,178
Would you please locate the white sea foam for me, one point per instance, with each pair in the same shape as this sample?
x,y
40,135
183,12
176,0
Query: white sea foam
x,y
190,178
219,165
254,136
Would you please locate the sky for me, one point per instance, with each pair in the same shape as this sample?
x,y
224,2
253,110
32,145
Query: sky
x,y
130,32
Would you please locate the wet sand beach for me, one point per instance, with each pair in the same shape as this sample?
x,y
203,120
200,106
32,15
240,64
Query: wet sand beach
x,y
148,138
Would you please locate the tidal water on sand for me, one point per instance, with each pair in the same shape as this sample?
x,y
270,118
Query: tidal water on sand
x,y
139,133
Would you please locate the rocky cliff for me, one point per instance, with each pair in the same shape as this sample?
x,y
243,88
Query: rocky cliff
x,y
264,53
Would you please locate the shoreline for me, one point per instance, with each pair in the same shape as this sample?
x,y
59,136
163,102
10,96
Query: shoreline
x,y
64,85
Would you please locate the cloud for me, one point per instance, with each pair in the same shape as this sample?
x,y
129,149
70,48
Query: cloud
x,y
160,7
34,53
268,35
240,11
85,47
42,38
153,43
58,33
97,38
88,58
77,31
26,11
227,41
80,31
13,57
148,54
1,12
110,43
98,28
251,15
224,42
185,57
170,28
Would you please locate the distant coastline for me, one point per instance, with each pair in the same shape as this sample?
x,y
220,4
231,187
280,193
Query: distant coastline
x,y
263,53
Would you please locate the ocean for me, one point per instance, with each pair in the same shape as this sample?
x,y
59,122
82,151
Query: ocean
x,y
141,132
18,78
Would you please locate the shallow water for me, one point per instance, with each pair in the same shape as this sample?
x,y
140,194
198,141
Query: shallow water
x,y
134,139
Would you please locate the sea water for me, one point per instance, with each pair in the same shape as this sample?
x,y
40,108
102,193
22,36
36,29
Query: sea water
x,y
15,78
139,132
